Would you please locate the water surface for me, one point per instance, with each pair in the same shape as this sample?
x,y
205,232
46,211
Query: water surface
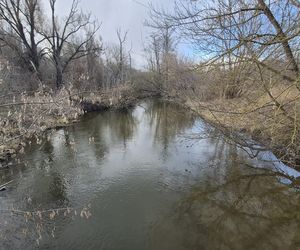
x,y
154,177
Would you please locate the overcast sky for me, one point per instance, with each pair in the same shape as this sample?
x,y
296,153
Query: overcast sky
x,y
125,14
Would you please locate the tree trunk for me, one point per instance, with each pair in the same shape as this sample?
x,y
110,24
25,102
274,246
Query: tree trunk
x,y
281,36
59,78
59,74
35,60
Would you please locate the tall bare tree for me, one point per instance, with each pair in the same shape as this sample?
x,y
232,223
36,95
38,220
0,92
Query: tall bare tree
x,y
268,29
122,56
161,51
94,62
20,21
67,40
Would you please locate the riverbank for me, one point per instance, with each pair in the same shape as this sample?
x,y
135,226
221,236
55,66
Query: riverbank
x,y
239,119
117,166
27,117
256,118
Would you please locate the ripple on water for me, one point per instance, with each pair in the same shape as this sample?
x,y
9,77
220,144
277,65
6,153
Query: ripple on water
x,y
152,178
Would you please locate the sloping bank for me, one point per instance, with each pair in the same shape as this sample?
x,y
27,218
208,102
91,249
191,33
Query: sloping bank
x,y
256,126
26,118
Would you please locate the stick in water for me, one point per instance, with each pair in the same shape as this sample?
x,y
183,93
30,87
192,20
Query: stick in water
x,y
3,186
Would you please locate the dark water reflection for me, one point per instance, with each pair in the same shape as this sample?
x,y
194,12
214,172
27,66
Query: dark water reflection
x,y
149,183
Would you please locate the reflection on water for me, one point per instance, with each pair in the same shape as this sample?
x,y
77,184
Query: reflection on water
x,y
235,207
168,120
151,184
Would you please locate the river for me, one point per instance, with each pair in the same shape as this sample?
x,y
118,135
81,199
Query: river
x,y
155,177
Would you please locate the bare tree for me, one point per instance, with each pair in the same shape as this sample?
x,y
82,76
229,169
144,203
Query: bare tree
x,y
251,26
122,56
94,62
248,48
281,36
66,39
20,21
161,51
155,49
118,61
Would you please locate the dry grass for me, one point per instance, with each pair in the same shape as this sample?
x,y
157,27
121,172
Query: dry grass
x,y
26,117
257,114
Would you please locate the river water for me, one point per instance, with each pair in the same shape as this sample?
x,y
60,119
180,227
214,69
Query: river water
x,y
154,177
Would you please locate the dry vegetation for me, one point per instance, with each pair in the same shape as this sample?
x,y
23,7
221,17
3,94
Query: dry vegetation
x,y
248,79
53,69
27,116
